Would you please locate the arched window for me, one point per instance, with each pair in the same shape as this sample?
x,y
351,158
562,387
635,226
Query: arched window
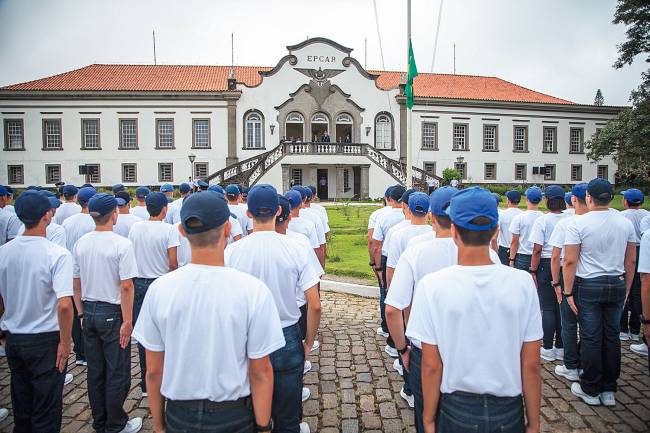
x,y
344,118
383,132
344,128
320,127
253,130
294,126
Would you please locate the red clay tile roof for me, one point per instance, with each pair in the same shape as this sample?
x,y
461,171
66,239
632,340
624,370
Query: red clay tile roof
x,y
190,78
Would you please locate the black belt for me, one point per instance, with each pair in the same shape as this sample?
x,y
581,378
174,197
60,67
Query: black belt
x,y
209,404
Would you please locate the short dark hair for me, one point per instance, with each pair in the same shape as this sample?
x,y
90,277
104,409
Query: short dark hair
x,y
154,211
475,238
206,239
555,204
582,201
443,221
263,219
514,201
602,200
30,225
101,219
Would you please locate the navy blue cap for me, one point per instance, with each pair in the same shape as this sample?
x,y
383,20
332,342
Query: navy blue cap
x,y
142,192
54,202
217,188
600,188
167,187
69,190
440,198
418,203
202,184
48,193
87,185
294,197
534,194
308,192
203,212
102,204
123,198
86,193
471,203
118,187
388,190
554,191
300,190
244,190
9,189
232,189
3,191
397,192
405,197
567,197
312,188
579,190
633,196
155,201
184,188
285,209
263,201
497,198
30,208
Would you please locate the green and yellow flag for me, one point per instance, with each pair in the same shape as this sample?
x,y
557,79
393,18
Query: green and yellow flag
x,y
411,74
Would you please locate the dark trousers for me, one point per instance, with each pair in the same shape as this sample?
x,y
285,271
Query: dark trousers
x,y
522,261
569,332
77,336
109,366
600,303
288,364
460,412
302,322
631,317
36,383
551,321
504,255
140,287
206,416
415,379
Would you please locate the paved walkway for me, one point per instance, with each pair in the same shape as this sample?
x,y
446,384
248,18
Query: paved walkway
x,y
354,387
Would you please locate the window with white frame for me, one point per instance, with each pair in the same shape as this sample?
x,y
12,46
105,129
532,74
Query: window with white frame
x,y
576,136
430,135
52,173
602,172
201,133
490,137
93,174
200,170
549,138
253,134
490,171
52,134
165,133
15,174
165,172
520,139
296,176
460,137
129,173
576,172
461,167
383,132
14,134
549,172
90,133
520,171
128,133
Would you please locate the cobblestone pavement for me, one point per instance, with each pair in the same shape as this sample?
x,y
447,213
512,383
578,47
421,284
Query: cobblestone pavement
x,y
354,387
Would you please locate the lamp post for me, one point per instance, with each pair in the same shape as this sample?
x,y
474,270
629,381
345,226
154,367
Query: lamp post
x,y
191,157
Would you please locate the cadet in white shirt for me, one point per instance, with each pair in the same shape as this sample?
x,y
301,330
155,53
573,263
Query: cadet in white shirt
x,y
140,210
387,242
174,208
104,265
372,221
570,210
570,369
320,208
125,219
233,195
284,267
306,212
214,368
599,260
155,245
6,197
36,311
168,190
631,317
478,307
70,206
303,225
9,226
540,269
504,238
644,270
521,248
54,232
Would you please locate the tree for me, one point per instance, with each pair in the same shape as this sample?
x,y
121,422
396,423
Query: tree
x,y
448,174
599,99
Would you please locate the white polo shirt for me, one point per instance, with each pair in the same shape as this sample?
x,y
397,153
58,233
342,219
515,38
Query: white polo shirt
x,y
244,221
422,238
315,218
151,240
322,213
9,208
372,220
636,216
603,237
482,308
34,274
280,263
385,221
102,260
315,263
504,238
521,225
184,250
53,233
644,254
9,226
645,224
306,227
569,211
542,230
400,240
76,226
220,330
235,229
385,245
67,209
174,211
124,223
140,211
559,234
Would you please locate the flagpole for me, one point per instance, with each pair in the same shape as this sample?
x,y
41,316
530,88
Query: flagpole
x,y
409,112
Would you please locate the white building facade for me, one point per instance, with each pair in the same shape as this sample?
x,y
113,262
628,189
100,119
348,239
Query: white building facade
x,y
140,124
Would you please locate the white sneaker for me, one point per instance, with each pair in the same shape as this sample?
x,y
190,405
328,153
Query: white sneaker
x,y
576,390
624,336
81,362
567,373
398,367
382,332
409,398
635,337
315,346
304,428
559,354
392,352
133,425
68,378
145,394
307,367
4,413
306,393
607,398
641,349
547,354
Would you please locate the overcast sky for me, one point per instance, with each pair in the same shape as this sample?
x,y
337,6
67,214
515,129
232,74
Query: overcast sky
x,y
563,48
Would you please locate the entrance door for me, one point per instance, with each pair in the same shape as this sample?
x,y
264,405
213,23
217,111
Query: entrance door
x,y
322,181
357,182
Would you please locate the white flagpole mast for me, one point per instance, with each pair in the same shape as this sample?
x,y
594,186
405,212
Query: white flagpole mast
x,y
409,164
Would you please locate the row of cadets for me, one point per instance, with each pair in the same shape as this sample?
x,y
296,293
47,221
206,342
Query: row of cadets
x,y
504,238
372,221
298,224
233,195
6,198
315,217
69,206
